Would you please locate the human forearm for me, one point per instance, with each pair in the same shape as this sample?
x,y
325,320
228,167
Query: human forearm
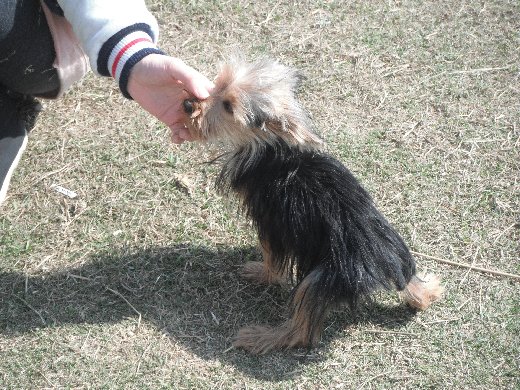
x,y
115,34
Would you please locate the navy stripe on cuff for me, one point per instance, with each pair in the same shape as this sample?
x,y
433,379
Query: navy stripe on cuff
x,y
108,46
125,73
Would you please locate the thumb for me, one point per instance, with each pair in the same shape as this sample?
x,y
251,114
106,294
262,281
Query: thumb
x,y
193,81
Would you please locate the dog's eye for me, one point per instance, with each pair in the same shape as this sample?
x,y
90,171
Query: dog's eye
x,y
227,106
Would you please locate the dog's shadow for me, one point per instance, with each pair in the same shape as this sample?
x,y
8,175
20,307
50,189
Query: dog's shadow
x,y
193,294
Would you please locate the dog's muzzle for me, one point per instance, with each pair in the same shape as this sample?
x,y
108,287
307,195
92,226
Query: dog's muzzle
x,y
188,106
191,107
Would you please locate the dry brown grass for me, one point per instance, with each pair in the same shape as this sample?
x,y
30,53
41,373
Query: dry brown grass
x,y
135,283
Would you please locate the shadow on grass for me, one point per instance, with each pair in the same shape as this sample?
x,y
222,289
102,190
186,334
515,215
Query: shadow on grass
x,y
192,294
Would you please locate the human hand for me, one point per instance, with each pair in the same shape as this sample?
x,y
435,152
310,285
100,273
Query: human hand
x,y
160,84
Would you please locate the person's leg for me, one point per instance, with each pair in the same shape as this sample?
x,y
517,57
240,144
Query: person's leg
x,y
26,70
17,116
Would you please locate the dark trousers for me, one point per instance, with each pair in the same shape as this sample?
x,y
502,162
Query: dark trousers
x,y
26,58
26,49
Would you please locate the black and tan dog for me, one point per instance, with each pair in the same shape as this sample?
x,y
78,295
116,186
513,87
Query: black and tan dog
x,y
318,228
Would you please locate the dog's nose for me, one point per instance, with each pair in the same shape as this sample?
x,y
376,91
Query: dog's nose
x,y
188,106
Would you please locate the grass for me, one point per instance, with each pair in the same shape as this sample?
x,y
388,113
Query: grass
x,y
135,283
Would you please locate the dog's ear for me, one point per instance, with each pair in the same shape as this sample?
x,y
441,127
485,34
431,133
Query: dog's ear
x,y
294,126
256,117
299,133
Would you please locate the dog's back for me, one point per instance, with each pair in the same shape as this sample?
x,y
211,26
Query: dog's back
x,y
316,216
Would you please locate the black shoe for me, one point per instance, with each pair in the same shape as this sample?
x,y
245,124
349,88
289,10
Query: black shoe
x,y
17,115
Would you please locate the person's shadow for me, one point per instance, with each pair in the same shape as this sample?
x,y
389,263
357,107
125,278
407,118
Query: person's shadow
x,y
193,294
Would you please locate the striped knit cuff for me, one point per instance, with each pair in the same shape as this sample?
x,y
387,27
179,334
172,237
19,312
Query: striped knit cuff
x,y
118,57
125,73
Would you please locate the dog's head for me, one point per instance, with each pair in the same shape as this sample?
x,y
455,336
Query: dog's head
x,y
251,102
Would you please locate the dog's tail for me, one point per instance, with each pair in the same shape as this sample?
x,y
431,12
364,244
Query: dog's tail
x,y
422,291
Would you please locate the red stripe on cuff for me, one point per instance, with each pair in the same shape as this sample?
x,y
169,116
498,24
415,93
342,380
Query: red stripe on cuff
x,y
123,50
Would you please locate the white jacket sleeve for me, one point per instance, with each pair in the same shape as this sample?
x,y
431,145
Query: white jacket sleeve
x,y
115,34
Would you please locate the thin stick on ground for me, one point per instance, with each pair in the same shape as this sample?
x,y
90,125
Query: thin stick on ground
x,y
33,309
113,292
374,377
128,303
469,266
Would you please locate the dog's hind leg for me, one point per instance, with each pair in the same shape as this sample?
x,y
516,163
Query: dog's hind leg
x,y
264,272
308,312
422,291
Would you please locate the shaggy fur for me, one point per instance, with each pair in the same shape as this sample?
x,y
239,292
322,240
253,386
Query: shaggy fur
x,y
317,226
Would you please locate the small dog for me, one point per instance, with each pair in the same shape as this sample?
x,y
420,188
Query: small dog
x,y
318,228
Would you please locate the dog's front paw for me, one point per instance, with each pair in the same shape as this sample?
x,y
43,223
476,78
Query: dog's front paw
x,y
257,339
257,272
